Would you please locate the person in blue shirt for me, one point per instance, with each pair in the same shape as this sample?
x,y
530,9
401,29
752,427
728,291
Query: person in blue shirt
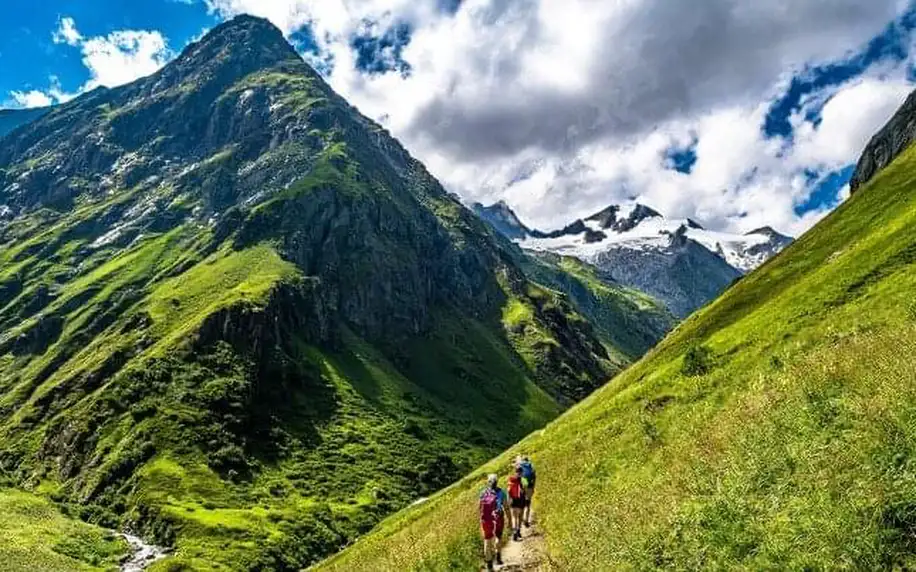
x,y
529,476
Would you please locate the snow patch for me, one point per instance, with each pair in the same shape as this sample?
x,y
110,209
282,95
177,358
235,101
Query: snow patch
x,y
743,252
108,238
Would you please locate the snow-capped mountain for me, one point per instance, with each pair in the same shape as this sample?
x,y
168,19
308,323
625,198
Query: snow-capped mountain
x,y
675,260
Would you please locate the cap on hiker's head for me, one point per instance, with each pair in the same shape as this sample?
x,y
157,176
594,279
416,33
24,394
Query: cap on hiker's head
x,y
492,479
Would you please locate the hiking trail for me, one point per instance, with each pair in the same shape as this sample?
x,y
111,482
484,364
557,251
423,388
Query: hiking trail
x,y
529,555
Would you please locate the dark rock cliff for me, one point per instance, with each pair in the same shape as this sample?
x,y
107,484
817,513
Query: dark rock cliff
x,y
892,140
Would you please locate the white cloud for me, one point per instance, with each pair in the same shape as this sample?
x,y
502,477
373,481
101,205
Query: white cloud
x,y
123,56
116,59
57,93
67,33
850,118
32,98
564,106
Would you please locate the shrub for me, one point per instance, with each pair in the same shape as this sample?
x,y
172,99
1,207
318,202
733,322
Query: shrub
x,y
697,361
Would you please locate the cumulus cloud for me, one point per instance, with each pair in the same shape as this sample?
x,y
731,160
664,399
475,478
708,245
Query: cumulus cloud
x,y
123,56
67,33
118,58
34,98
563,106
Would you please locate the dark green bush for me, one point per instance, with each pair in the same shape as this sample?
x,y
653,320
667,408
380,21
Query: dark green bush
x,y
697,361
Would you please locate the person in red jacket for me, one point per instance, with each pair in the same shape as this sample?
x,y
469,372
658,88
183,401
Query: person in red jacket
x,y
517,500
493,512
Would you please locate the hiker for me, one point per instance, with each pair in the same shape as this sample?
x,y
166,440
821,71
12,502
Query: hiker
x,y
528,478
493,512
517,501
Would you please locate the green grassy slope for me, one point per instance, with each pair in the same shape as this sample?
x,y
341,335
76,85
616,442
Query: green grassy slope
x,y
774,429
35,536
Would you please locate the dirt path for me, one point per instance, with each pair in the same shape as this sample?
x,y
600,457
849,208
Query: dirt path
x,y
529,555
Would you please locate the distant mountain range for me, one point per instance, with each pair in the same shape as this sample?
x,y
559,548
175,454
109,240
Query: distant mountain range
x,y
674,260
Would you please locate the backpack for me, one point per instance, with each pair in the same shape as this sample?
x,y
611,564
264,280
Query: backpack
x,y
528,471
489,505
515,488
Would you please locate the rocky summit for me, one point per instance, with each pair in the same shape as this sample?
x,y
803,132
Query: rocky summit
x,y
239,319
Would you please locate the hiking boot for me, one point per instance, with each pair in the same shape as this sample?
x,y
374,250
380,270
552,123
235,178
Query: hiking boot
x,y
527,524
499,560
489,564
517,536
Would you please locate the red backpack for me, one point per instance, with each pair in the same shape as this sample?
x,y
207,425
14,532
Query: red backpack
x,y
515,487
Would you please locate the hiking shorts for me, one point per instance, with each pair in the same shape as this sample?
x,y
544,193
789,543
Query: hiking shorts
x,y
493,528
520,502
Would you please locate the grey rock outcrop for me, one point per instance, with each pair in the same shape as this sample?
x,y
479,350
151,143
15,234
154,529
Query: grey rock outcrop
x,y
893,139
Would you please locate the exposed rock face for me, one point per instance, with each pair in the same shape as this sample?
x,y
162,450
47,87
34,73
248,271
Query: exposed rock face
x,y
503,219
682,273
892,140
609,217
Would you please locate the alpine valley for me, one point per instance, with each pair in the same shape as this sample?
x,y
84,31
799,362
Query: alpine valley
x,y
238,319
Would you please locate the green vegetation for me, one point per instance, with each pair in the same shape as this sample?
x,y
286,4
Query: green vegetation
x,y
135,410
35,536
628,322
774,429
179,305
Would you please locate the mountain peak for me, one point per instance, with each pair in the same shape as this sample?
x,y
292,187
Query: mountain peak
x,y
242,45
246,27
622,219
501,216
766,231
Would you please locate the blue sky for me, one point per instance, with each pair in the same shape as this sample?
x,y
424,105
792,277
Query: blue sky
x,y
29,56
756,121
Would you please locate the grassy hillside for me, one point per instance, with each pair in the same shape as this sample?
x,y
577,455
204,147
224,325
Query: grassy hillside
x,y
121,402
775,429
35,536
629,322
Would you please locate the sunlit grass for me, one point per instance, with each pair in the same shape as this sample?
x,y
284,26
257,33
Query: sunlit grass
x,y
35,536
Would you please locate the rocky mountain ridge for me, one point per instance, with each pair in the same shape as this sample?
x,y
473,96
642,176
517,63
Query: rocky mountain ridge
x,y
887,144
676,261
